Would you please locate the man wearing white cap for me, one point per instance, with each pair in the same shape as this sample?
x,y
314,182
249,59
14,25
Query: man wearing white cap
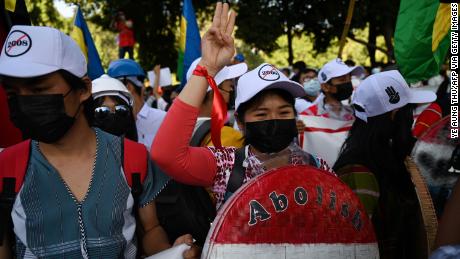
x,y
335,80
372,160
224,80
72,199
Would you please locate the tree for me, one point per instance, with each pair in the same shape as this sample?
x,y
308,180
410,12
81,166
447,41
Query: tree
x,y
261,22
155,25
43,13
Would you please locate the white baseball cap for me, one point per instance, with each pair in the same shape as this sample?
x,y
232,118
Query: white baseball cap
x,y
265,76
336,68
227,72
109,86
31,51
384,92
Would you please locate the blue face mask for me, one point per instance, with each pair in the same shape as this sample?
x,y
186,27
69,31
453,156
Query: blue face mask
x,y
312,87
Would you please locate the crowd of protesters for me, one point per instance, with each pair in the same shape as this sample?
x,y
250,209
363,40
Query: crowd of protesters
x,y
76,195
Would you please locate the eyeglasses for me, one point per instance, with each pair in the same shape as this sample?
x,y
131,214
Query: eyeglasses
x,y
103,111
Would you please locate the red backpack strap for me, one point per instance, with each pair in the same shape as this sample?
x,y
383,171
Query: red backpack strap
x,y
135,157
13,163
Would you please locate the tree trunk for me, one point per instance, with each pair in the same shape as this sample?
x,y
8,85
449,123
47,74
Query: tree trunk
x,y
372,40
388,33
389,25
290,52
288,31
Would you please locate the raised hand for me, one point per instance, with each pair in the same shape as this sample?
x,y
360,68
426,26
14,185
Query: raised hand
x,y
217,44
156,69
392,95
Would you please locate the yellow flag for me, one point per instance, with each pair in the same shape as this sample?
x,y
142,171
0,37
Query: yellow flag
x,y
441,25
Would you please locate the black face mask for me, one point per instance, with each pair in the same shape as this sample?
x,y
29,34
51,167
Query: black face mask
x,y
117,123
344,91
270,136
40,117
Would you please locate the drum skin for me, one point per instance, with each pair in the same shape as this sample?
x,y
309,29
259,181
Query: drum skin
x,y
292,212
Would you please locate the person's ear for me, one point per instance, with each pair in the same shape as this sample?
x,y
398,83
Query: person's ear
x,y
86,92
130,88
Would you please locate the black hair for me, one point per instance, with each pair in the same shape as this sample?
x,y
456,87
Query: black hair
x,y
350,63
307,70
381,145
286,70
131,131
137,89
77,83
260,97
299,65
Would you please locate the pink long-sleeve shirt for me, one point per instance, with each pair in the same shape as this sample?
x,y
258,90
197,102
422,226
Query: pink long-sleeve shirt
x,y
202,166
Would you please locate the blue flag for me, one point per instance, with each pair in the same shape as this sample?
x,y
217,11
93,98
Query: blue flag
x,y
190,41
83,38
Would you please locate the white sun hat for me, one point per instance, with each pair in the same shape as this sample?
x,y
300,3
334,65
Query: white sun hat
x,y
109,86
384,92
265,76
336,68
31,51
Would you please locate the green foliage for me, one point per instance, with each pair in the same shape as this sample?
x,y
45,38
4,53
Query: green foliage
x,y
43,13
155,25
261,23
105,42
262,26
303,47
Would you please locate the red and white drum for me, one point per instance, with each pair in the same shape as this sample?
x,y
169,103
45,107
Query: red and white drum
x,y
292,212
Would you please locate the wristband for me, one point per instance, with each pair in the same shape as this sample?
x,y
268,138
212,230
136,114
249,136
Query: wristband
x,y
219,107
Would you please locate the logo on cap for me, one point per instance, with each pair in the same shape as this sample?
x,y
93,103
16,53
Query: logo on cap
x,y
17,44
269,73
392,94
323,76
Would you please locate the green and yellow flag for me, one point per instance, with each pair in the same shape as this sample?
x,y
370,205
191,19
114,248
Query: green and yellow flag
x,y
422,38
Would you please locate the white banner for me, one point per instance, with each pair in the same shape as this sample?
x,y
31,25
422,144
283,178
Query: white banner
x,y
324,137
165,77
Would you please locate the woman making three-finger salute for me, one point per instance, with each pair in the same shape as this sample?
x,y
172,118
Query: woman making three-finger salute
x,y
264,111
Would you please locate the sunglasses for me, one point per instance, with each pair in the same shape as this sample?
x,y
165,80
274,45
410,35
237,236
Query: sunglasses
x,y
103,111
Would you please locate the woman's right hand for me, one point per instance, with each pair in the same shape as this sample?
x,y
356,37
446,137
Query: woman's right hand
x,y
217,44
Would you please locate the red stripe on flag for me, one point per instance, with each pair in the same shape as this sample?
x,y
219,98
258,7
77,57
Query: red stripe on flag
x,y
312,129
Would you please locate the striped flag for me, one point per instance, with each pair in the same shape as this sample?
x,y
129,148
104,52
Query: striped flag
x,y
422,38
189,43
324,137
83,38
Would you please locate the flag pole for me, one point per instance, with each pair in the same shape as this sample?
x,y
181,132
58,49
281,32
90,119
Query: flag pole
x,y
351,7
